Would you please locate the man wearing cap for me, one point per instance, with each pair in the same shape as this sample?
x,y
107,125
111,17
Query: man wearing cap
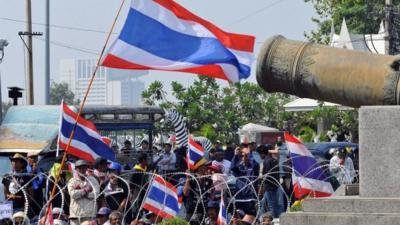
x,y
102,216
212,213
83,190
219,161
16,188
115,190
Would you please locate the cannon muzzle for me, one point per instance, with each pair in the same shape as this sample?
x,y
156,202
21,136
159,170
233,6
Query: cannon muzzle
x,y
324,73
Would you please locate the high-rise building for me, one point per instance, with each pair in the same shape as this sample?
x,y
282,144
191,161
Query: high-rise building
x,y
110,87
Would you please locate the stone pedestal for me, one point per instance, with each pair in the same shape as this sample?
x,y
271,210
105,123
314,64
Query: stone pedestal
x,y
379,199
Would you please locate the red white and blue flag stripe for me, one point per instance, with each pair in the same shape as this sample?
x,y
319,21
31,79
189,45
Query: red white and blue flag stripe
x,y
222,215
86,143
195,154
163,35
162,198
308,177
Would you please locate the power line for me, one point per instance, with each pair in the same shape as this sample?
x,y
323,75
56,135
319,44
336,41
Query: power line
x,y
59,26
68,46
252,14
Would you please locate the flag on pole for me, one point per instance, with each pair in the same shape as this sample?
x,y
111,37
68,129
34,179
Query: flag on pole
x,y
222,215
195,155
162,198
163,35
307,176
86,143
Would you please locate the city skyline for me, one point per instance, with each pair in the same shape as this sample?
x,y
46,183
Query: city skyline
x,y
110,87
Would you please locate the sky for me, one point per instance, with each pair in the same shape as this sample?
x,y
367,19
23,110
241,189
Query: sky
x,y
78,30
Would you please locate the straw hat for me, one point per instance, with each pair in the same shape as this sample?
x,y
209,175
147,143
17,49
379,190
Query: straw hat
x,y
19,156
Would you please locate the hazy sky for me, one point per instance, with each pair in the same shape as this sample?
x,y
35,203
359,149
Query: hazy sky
x,y
261,18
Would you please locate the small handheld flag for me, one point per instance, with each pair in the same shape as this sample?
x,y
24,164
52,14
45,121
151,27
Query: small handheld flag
x,y
307,176
162,198
163,35
195,155
222,215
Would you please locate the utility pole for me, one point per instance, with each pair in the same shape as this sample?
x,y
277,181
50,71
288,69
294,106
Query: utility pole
x,y
47,69
388,27
29,75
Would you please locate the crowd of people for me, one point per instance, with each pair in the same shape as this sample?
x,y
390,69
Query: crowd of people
x,y
254,181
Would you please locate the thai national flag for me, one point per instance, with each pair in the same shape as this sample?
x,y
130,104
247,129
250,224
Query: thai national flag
x,y
195,155
86,143
222,215
162,198
163,35
307,176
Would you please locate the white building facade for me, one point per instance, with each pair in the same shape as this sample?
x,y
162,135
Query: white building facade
x,y
110,87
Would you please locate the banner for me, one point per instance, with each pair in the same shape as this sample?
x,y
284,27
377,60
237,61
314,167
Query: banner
x,y
6,210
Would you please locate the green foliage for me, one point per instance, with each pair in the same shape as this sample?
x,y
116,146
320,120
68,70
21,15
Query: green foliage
x,y
217,112
174,221
60,91
362,16
307,134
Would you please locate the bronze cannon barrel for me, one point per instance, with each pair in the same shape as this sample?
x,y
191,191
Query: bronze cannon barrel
x,y
350,78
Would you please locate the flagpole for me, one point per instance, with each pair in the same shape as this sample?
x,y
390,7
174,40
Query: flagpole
x,y
57,178
59,130
145,195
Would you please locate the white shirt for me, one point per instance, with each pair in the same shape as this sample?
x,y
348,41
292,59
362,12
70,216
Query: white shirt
x,y
224,164
168,162
343,173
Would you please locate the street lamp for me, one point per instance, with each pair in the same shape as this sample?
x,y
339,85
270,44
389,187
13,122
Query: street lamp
x,y
3,43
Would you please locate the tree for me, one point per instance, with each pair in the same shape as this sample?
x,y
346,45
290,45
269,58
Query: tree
x,y
217,112
60,91
362,17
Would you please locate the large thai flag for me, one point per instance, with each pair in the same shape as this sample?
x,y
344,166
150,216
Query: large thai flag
x,y
86,143
195,154
222,215
162,198
163,35
307,176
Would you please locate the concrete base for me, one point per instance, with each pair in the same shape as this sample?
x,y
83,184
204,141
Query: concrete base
x,y
379,198
339,219
345,210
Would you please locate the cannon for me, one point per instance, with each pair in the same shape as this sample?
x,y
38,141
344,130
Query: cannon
x,y
346,77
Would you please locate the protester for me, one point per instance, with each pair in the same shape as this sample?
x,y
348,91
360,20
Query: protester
x,y
100,170
212,213
273,193
266,219
61,199
116,190
115,218
139,182
247,172
196,203
144,146
102,216
16,187
127,149
83,191
167,163
36,200
19,218
224,164
341,166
